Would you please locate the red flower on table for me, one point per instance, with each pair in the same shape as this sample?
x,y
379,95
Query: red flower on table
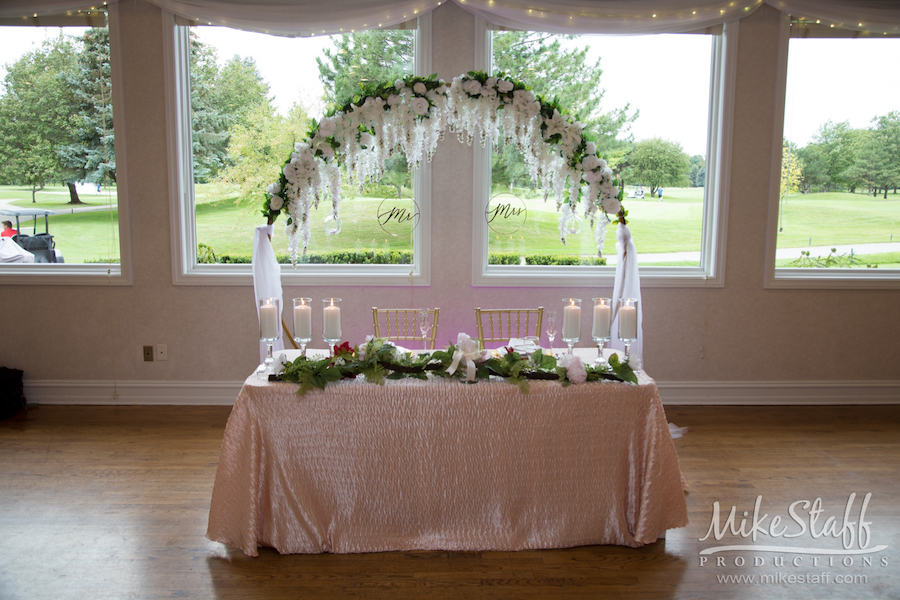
x,y
344,349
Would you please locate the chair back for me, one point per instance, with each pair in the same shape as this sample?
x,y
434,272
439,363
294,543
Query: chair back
x,y
502,324
402,324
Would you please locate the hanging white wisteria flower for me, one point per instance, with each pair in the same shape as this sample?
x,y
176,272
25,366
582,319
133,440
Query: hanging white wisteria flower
x,y
409,116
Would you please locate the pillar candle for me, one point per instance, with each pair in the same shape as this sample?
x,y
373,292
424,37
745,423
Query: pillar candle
x,y
601,321
268,321
628,323
303,322
332,321
571,322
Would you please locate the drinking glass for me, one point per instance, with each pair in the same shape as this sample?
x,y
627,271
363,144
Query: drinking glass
x,y
303,322
331,321
551,328
628,323
600,329
269,314
425,326
571,325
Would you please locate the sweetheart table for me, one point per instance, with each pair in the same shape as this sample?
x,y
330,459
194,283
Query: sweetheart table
x,y
445,465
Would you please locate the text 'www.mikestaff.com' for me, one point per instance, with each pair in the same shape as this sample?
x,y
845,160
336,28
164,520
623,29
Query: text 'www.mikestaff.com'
x,y
824,578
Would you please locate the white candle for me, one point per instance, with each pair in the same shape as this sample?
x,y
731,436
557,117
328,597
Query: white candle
x,y
332,321
571,322
268,321
601,321
628,323
303,322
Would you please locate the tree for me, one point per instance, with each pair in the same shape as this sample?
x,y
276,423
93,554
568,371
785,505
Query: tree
x,y
220,99
209,126
697,176
657,162
258,145
867,162
836,152
553,71
815,168
378,55
239,89
791,170
563,73
91,155
886,138
37,114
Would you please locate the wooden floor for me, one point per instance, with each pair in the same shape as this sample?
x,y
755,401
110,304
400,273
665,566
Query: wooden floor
x,y
112,502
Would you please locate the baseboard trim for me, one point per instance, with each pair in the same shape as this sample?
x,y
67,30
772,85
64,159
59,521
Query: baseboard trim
x,y
674,393
188,393
782,393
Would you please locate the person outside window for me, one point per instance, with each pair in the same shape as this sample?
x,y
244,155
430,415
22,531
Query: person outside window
x,y
8,230
659,193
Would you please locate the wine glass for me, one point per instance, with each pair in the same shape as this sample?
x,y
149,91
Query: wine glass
x,y
425,326
331,321
628,323
551,328
303,322
571,326
269,314
600,329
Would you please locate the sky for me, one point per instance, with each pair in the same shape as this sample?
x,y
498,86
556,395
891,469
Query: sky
x,y
665,77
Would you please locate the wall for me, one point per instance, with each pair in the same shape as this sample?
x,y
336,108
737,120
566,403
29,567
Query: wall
x,y
83,343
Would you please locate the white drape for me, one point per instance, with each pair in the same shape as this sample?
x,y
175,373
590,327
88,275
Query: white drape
x,y
266,279
627,285
315,17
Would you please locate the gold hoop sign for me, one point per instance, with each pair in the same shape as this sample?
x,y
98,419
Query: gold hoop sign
x,y
398,216
506,214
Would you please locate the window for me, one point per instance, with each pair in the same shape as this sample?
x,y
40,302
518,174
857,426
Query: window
x,y
58,177
655,106
838,211
238,113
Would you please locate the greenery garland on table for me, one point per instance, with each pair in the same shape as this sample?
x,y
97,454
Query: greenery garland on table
x,y
379,360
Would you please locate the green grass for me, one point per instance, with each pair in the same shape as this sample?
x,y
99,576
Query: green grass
x,y
55,197
228,229
835,218
671,225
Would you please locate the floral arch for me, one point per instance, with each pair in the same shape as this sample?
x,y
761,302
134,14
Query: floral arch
x,y
411,115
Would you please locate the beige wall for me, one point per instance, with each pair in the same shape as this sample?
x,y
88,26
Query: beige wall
x,y
740,333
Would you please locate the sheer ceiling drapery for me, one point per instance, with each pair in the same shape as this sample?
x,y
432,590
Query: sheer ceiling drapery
x,y
317,17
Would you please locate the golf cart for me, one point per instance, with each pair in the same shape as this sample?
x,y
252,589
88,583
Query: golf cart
x,y
638,192
41,245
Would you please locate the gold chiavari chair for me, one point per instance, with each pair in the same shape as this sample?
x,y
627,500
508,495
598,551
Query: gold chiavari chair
x,y
402,324
503,324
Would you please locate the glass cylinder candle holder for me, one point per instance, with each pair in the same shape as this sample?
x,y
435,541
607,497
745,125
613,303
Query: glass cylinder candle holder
x,y
628,323
600,329
571,325
269,315
303,322
331,321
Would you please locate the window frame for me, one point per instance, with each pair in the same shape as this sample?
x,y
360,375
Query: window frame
x,y
186,270
800,277
710,272
108,274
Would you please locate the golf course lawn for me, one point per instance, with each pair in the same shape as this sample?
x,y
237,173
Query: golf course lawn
x,y
670,225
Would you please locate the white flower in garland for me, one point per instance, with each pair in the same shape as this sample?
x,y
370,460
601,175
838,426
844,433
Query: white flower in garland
x,y
419,105
410,117
472,87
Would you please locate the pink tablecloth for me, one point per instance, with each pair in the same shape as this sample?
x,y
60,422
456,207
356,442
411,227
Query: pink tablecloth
x,y
442,465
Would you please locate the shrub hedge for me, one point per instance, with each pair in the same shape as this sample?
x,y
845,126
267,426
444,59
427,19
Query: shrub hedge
x,y
396,257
